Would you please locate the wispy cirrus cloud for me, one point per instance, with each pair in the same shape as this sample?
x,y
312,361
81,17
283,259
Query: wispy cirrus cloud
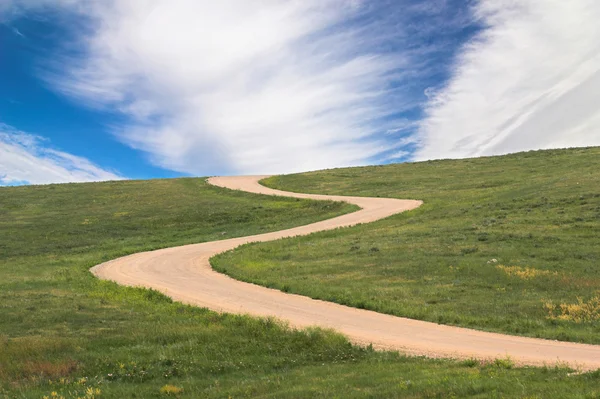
x,y
529,80
28,159
13,9
286,85
259,87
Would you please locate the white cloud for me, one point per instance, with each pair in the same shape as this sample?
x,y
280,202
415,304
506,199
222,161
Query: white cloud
x,y
25,159
18,32
237,86
530,80
272,86
396,156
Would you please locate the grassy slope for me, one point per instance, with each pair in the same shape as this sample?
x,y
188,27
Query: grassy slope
x,y
63,331
536,213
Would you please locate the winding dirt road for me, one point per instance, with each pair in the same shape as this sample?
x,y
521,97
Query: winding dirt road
x,y
184,273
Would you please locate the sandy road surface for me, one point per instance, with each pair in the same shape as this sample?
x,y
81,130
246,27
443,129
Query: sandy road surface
x,y
184,274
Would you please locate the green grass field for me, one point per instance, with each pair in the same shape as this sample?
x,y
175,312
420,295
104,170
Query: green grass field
x,y
66,334
508,244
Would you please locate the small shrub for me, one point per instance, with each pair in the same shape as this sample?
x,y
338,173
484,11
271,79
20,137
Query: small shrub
x,y
579,312
505,363
525,273
171,390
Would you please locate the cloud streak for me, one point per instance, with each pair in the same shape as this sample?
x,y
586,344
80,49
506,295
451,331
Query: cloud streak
x,y
27,159
277,86
530,80
257,87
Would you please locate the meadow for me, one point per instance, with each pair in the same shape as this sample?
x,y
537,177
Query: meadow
x,y
65,334
508,244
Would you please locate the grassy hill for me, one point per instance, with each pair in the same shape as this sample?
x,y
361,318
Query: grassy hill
x,y
508,244
66,334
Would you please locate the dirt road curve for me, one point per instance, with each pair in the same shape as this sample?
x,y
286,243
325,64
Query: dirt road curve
x,y
184,274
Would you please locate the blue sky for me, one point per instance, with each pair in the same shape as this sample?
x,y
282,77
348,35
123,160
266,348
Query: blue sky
x,y
102,90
